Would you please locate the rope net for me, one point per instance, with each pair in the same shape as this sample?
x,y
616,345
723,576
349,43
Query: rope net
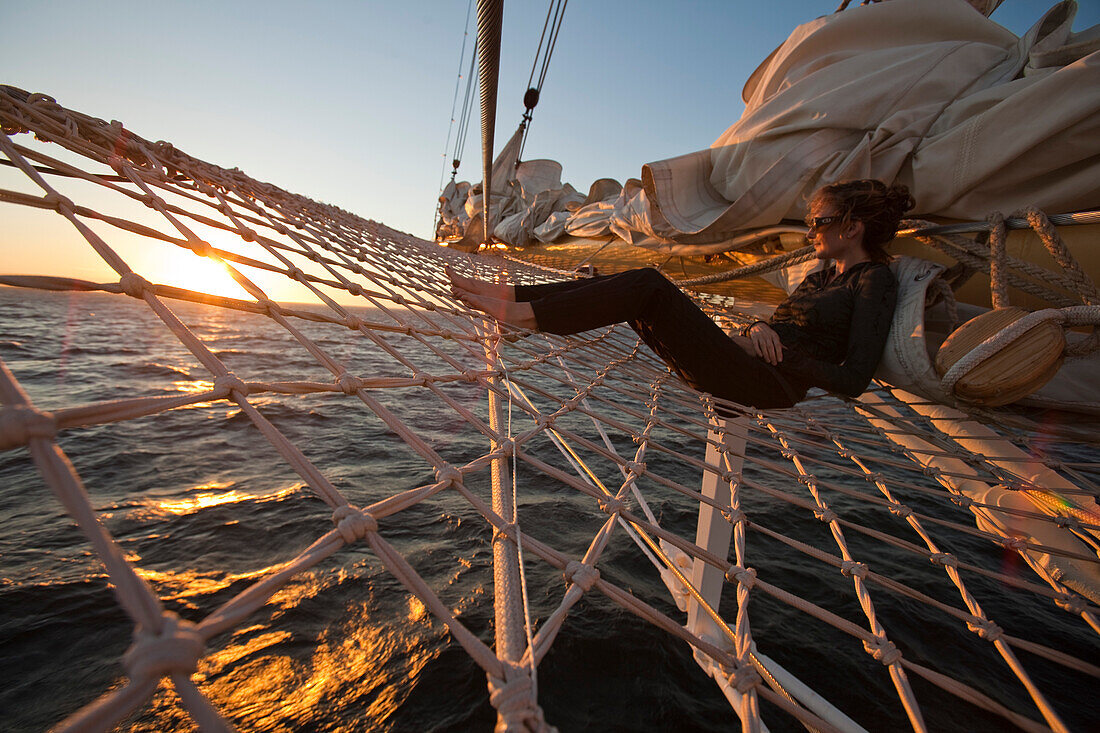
x,y
847,519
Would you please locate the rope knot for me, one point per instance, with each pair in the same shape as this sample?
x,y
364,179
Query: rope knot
x,y
944,558
743,576
355,289
295,273
353,523
60,204
201,248
882,650
1014,543
808,480
734,516
899,510
228,383
117,163
932,471
353,323
582,575
851,567
961,500
611,506
505,532
637,468
249,235
1073,604
984,628
176,649
21,423
349,384
874,478
744,679
448,474
1067,523
514,701
825,515
134,285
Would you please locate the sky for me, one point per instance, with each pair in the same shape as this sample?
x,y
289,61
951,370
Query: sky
x,y
350,102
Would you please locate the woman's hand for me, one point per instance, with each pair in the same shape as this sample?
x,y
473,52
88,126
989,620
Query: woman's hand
x,y
765,343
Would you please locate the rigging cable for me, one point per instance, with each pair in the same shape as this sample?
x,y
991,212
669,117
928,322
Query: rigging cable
x,y
454,102
467,108
556,10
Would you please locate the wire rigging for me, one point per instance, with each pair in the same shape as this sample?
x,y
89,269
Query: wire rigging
x,y
454,102
555,13
467,108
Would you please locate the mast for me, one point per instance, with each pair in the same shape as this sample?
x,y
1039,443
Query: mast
x,y
490,14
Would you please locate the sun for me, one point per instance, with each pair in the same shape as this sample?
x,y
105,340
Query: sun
x,y
185,269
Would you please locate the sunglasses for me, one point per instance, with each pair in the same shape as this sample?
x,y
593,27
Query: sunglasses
x,y
819,221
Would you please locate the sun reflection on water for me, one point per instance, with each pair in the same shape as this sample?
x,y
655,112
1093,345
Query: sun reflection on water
x,y
357,676
210,496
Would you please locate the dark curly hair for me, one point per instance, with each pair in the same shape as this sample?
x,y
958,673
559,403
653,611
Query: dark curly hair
x,y
878,206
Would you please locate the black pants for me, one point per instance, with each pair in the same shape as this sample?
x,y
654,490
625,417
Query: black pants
x,y
671,324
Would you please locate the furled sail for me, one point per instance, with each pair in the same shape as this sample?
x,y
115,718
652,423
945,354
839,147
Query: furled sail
x,y
930,93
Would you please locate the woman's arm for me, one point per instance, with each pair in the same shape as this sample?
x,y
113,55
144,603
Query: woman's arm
x,y
872,313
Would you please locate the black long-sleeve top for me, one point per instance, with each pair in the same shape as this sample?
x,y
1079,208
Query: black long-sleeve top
x,y
834,328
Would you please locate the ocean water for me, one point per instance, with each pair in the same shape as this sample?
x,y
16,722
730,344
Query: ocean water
x,y
203,505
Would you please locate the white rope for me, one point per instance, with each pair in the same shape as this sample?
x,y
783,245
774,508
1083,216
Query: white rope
x,y
1081,315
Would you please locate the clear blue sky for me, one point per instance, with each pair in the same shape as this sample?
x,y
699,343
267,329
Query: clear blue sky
x,y
349,102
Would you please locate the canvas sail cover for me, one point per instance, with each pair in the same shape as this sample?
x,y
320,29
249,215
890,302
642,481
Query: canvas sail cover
x,y
929,93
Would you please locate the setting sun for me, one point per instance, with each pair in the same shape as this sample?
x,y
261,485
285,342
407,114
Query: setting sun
x,y
185,269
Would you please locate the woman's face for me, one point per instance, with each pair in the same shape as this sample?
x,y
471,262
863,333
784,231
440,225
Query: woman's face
x,y
832,240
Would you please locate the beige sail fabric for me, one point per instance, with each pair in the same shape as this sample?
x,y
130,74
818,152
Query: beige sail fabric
x,y
928,92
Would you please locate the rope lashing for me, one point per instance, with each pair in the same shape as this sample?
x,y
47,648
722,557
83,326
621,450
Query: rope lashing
x,y
944,558
22,423
226,384
744,678
175,650
513,700
349,384
134,285
61,204
882,650
734,516
984,628
1073,604
852,568
353,523
900,510
448,474
743,576
611,506
584,576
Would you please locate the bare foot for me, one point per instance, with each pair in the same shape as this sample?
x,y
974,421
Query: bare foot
x,y
460,284
506,311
